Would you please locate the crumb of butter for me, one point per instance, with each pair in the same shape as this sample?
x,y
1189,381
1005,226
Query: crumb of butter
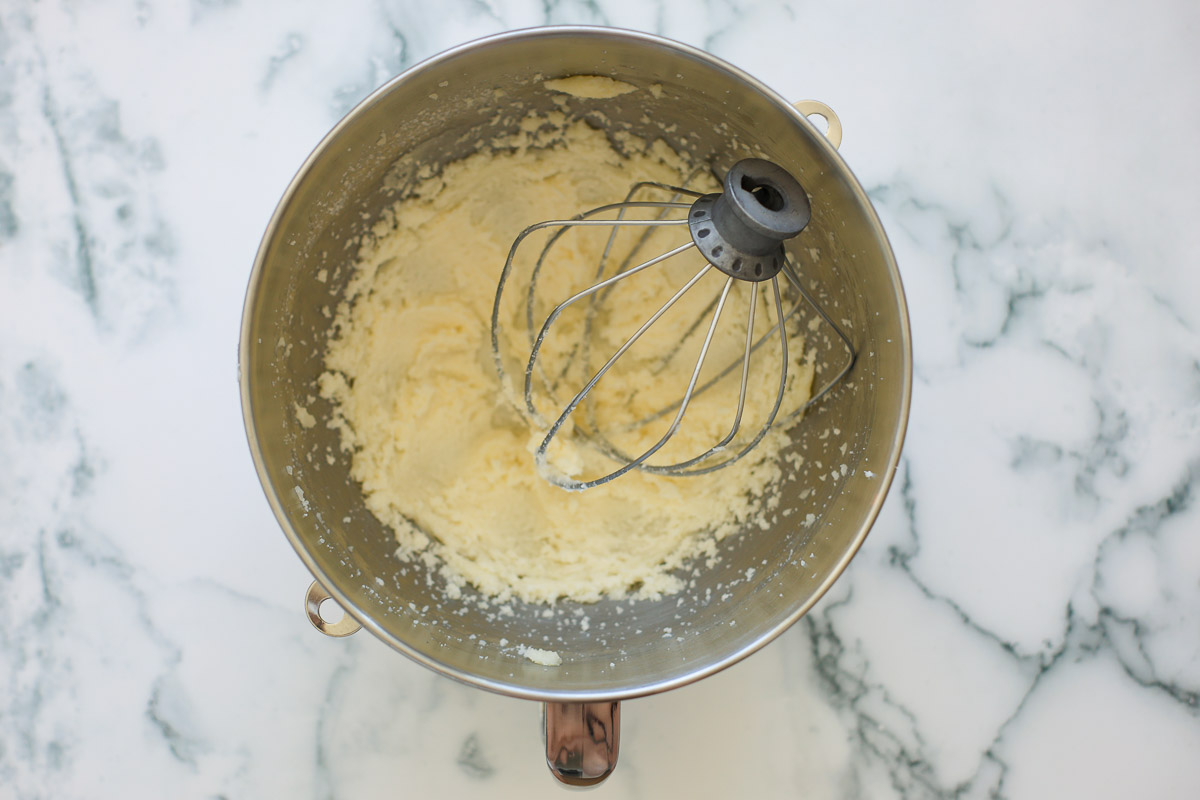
x,y
547,658
305,417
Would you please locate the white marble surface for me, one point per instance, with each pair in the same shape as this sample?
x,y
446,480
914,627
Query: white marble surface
x,y
1023,622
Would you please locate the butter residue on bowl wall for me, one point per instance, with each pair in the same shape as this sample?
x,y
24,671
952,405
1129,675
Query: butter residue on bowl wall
x,y
592,87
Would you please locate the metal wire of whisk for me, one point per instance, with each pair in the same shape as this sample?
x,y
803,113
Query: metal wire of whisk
x,y
740,233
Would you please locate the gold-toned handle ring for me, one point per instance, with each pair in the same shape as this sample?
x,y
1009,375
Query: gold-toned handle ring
x,y
833,129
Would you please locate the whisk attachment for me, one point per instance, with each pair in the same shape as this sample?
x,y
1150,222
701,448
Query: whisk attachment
x,y
740,232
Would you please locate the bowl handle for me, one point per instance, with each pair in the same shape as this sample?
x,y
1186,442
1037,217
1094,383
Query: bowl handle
x,y
313,600
833,125
582,740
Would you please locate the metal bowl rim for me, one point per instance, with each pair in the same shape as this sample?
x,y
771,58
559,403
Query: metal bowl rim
x,y
365,619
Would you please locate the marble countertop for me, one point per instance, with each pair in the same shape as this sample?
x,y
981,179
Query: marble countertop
x,y
1023,621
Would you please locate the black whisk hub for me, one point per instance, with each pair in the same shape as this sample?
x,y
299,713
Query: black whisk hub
x,y
742,230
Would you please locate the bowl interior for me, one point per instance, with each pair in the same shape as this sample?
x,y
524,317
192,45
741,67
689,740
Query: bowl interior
x,y
765,578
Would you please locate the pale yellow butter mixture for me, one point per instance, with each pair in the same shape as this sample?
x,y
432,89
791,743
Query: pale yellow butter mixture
x,y
441,448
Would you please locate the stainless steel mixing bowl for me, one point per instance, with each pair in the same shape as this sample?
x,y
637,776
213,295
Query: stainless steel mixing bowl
x,y
442,110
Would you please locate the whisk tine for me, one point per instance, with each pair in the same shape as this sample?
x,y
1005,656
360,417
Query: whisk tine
x,y
685,467
789,271
637,187
540,455
714,380
541,337
582,220
678,468
582,346
741,406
